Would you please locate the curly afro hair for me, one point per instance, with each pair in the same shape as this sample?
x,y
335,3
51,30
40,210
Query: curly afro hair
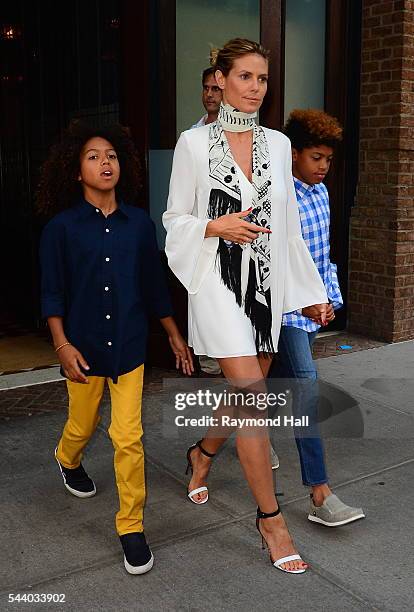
x,y
58,186
311,128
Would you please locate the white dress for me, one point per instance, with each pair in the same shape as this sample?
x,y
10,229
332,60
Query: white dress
x,y
218,308
217,326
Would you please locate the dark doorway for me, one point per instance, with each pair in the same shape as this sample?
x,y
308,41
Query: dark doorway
x,y
342,85
51,70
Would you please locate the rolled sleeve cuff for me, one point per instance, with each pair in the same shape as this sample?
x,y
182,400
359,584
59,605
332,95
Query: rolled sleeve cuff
x,y
52,308
333,290
162,312
335,304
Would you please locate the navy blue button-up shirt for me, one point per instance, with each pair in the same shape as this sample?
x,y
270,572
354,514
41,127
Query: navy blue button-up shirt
x,y
103,275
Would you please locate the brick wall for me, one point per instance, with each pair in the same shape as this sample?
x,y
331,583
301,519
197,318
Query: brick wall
x,y
381,276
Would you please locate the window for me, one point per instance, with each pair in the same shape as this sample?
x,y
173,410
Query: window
x,y
304,54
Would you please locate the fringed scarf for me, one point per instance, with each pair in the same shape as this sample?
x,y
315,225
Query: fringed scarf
x,y
253,292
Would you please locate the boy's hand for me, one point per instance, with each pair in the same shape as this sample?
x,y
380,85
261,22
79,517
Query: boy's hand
x,y
330,313
182,353
322,314
72,360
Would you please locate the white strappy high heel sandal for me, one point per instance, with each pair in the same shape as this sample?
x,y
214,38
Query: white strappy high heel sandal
x,y
279,562
194,492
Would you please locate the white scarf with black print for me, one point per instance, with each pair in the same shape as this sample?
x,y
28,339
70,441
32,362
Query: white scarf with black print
x,y
252,290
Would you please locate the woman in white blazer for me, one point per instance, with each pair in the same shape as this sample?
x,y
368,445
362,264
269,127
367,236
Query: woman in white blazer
x,y
234,241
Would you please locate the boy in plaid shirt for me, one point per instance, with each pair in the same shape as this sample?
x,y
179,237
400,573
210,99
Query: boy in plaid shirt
x,y
313,135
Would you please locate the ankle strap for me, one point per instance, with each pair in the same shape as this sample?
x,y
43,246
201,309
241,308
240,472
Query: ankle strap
x,y
204,451
265,515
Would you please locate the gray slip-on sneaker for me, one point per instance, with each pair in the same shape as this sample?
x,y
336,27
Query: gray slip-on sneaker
x,y
274,459
333,512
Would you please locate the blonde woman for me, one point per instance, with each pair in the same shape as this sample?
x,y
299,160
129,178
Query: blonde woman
x,y
234,241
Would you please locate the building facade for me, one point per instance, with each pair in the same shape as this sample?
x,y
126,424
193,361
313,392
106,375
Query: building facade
x,y
381,264
140,63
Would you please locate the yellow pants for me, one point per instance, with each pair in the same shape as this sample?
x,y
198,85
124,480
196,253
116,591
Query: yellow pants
x,y
125,432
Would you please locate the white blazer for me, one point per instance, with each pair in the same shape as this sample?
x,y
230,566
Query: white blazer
x,y
295,280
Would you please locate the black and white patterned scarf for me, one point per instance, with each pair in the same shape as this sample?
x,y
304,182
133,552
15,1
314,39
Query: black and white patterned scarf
x,y
253,292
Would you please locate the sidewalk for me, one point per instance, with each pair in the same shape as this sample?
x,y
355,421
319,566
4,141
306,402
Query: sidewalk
x,y
209,557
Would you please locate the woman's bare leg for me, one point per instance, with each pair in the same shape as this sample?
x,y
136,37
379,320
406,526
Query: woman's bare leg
x,y
212,441
217,436
254,454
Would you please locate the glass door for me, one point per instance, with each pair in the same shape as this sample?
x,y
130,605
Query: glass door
x,y
305,29
200,25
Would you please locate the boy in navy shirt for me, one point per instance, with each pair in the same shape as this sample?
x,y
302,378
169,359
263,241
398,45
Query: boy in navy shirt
x,y
101,277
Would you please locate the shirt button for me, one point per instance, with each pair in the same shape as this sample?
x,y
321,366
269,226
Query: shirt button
x,y
97,210
109,343
108,316
106,258
107,230
106,288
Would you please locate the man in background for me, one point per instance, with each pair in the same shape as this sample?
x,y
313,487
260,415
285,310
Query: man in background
x,y
211,98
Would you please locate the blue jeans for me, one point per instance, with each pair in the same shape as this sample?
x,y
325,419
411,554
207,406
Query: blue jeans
x,y
296,362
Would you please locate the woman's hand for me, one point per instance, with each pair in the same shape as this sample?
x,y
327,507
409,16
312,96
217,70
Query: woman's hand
x,y
72,361
322,314
233,227
182,353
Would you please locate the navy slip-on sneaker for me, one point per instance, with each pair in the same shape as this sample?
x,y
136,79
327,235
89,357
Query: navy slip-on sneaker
x,y
77,480
138,558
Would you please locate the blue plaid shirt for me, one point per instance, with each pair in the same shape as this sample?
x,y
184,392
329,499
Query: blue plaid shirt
x,y
313,201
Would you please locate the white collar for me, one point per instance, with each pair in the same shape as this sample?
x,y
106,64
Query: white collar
x,y
233,120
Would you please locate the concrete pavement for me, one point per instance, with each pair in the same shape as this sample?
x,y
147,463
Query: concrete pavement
x,y
209,557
